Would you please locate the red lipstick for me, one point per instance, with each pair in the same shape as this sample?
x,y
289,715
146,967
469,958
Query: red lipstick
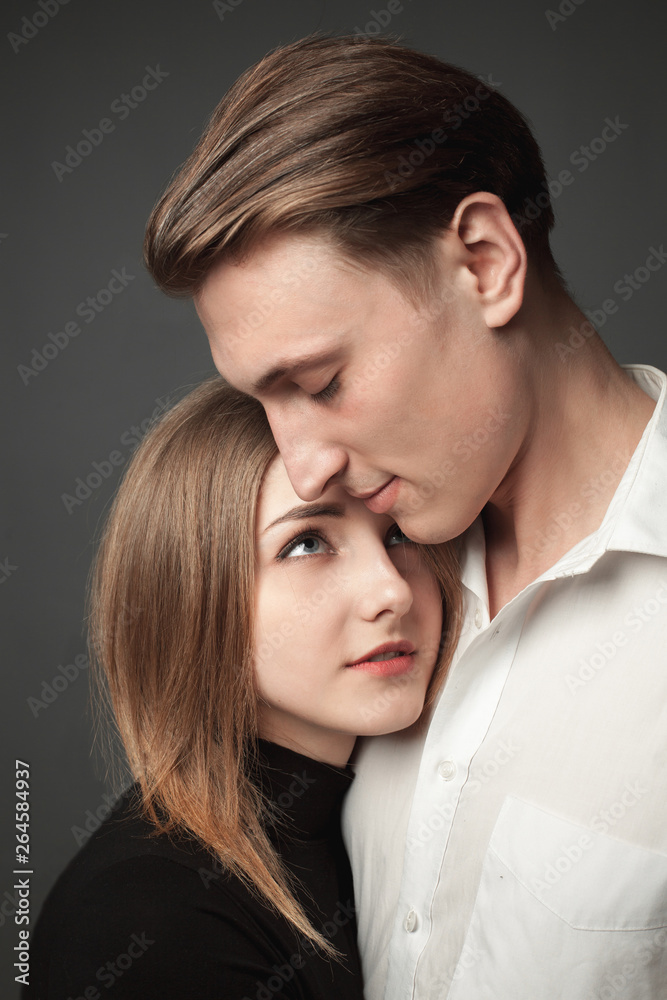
x,y
388,660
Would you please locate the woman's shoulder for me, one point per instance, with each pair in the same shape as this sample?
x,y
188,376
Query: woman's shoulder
x,y
158,905
126,836
126,862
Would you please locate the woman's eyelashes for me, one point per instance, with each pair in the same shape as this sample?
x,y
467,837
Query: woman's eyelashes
x,y
313,542
306,543
395,536
328,392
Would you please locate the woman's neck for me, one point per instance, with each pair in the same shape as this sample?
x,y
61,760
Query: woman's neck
x,y
325,745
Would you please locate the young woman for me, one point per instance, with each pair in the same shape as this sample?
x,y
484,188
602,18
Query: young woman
x,y
246,638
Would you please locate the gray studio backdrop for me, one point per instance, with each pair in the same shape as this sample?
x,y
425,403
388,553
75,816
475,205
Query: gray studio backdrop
x,y
103,100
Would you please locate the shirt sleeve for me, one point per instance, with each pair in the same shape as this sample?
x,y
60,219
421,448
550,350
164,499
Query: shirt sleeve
x,y
150,927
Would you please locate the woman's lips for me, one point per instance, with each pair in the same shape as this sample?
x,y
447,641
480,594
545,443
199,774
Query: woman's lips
x,y
385,498
387,668
388,660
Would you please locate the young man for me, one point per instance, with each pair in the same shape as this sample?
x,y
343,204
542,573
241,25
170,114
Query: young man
x,y
353,227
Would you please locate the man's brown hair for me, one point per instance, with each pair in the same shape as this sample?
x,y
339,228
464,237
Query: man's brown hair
x,y
367,143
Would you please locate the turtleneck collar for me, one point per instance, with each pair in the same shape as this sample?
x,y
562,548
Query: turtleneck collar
x,y
304,795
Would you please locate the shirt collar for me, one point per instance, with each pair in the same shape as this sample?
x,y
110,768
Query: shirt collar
x,y
636,519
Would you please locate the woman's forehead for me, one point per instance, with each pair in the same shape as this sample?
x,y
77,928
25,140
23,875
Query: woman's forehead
x,y
277,498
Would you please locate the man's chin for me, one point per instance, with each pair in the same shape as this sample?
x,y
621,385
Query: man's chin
x,y
432,526
422,532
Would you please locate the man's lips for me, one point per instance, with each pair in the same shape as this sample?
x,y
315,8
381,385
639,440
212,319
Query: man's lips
x,y
382,499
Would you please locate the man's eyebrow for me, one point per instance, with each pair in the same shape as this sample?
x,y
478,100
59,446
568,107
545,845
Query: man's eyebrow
x,y
307,510
289,366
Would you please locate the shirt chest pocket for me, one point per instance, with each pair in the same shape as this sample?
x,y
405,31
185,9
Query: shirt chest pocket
x,y
563,911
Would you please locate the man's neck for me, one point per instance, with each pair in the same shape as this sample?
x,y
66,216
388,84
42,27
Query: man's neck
x,y
589,418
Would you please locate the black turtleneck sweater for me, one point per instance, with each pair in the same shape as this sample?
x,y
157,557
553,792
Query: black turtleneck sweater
x,y
138,916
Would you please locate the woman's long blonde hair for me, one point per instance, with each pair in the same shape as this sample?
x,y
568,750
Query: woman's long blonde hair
x,y
171,630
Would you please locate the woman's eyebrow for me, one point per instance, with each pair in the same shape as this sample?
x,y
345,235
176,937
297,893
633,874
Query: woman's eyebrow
x,y
307,510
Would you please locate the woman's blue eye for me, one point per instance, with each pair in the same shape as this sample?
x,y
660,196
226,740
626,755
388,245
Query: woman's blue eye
x,y
306,545
397,537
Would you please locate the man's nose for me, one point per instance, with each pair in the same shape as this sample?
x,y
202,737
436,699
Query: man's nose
x,y
311,461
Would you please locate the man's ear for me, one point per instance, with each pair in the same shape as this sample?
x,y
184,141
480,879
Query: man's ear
x,y
496,256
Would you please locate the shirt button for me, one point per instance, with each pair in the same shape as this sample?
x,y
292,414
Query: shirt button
x,y
478,618
447,769
410,922
496,631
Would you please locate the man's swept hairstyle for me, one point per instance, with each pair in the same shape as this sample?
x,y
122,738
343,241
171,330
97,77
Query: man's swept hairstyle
x,y
367,143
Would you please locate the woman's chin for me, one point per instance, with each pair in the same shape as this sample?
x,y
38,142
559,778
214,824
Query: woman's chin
x,y
392,721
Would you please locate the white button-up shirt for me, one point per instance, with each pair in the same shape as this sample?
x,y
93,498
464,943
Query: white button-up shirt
x,y
516,849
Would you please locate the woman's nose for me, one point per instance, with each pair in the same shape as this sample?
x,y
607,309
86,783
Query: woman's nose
x,y
383,589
